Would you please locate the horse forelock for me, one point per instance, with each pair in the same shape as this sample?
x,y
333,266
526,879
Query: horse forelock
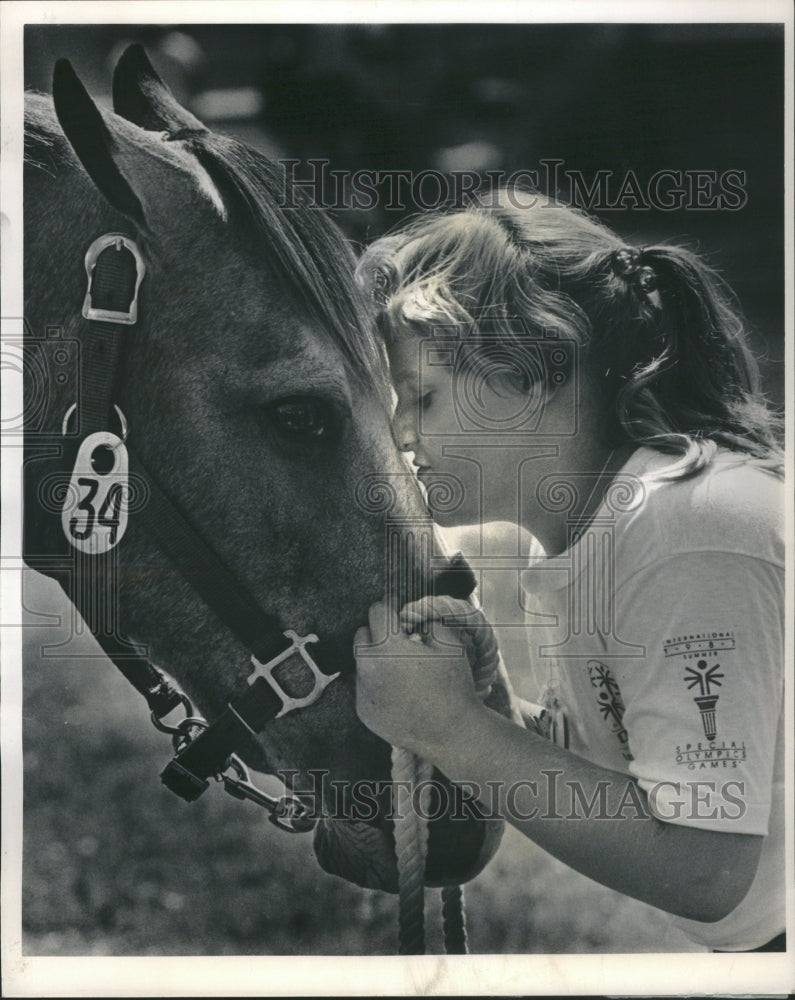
x,y
45,143
305,248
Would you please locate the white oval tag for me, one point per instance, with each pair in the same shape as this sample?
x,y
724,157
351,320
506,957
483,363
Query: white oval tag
x,y
94,513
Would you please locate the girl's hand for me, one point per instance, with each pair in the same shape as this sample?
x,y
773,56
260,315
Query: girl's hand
x,y
410,690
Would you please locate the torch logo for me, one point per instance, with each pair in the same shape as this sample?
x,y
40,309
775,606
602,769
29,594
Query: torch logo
x,y
705,678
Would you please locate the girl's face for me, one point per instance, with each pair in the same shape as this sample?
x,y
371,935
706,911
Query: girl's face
x,y
448,457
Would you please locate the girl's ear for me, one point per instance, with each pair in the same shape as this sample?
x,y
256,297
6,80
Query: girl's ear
x,y
140,96
143,177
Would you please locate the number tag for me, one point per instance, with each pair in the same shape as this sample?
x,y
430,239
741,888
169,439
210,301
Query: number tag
x,y
94,513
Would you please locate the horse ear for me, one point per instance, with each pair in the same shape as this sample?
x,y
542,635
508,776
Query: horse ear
x,y
140,96
85,128
139,174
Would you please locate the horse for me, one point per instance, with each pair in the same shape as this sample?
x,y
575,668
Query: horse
x,y
245,404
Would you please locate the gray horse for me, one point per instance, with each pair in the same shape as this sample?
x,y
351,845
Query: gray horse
x,y
254,393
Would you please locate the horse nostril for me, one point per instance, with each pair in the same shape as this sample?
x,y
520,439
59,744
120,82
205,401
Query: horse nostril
x,y
102,459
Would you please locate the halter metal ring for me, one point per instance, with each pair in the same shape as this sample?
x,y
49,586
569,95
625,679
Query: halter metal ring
x,y
119,414
164,727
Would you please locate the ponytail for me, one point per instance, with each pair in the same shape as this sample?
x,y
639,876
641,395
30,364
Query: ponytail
x,y
695,383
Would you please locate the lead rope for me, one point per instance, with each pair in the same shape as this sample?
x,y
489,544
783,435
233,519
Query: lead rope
x,y
411,847
411,827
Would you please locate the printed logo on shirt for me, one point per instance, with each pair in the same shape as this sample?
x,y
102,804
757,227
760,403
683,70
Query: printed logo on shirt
x,y
705,675
704,756
698,644
553,722
553,725
610,702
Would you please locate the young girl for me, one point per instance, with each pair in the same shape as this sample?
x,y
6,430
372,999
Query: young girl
x,y
601,397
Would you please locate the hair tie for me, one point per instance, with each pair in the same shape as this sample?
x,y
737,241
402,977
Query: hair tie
x,y
627,263
380,286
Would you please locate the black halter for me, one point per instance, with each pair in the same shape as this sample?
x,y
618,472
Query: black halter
x,y
115,271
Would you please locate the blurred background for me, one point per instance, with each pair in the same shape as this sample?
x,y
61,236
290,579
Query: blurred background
x,y
116,865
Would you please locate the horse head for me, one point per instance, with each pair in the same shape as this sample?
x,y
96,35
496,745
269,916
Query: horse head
x,y
255,394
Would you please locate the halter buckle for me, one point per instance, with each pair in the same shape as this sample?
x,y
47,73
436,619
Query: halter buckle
x,y
265,670
130,316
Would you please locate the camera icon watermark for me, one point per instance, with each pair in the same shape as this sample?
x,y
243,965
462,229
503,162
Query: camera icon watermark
x,y
50,369
500,382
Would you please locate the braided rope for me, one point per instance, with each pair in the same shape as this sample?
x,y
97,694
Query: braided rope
x,y
454,920
411,829
411,847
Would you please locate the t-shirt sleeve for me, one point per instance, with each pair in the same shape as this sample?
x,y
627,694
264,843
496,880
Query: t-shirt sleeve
x,y
703,698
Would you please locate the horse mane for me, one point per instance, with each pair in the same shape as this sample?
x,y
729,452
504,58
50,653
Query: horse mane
x,y
307,250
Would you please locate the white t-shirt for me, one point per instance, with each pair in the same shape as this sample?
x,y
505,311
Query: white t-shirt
x,y
657,648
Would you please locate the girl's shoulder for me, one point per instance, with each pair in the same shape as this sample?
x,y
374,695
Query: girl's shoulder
x,y
734,504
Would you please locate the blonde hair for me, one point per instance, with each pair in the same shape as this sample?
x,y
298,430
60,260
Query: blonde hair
x,y
672,361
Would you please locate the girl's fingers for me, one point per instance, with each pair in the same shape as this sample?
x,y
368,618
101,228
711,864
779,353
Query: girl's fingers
x,y
415,619
415,614
449,610
381,617
362,638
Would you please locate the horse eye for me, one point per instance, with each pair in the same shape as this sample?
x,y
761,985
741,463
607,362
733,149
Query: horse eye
x,y
307,418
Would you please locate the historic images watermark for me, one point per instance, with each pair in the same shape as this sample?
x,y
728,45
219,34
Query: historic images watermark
x,y
664,190
547,798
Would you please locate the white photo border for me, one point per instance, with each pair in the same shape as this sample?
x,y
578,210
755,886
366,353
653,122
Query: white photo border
x,y
637,974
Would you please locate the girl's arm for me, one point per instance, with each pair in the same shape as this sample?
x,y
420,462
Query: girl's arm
x,y
698,874
594,819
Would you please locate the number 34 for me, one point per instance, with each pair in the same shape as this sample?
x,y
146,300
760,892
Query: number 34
x,y
82,526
